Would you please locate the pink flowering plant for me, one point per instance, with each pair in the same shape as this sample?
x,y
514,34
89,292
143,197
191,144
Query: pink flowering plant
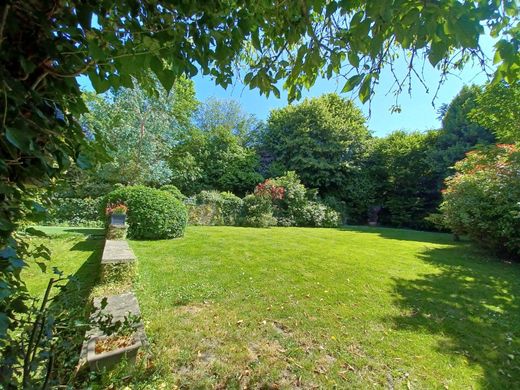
x,y
116,209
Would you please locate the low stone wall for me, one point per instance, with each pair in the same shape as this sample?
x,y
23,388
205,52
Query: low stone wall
x,y
118,269
118,262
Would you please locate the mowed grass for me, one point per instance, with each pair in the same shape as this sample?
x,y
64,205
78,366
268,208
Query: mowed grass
x,y
74,251
230,307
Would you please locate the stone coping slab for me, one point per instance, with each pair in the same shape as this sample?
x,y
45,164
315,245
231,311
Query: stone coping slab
x,y
117,251
119,307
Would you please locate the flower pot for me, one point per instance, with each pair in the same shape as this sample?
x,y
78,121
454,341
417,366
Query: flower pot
x,y
108,359
118,219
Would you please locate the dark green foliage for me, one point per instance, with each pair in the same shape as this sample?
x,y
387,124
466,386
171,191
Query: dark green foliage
x,y
152,214
321,139
75,211
459,133
482,199
405,180
214,159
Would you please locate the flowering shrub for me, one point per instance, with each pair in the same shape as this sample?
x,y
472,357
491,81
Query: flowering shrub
x,y
116,209
482,199
269,189
318,215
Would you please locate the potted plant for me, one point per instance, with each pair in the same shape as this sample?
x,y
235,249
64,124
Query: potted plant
x,y
117,214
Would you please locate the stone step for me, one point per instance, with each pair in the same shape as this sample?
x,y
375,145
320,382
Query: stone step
x,y
117,251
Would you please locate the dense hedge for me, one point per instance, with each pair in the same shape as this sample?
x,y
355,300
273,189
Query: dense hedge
x,y
75,212
152,213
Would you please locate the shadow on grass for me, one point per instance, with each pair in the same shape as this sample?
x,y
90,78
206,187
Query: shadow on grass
x,y
90,232
473,303
72,306
403,234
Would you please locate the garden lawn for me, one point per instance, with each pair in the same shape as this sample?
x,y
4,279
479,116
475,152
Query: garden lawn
x,y
295,307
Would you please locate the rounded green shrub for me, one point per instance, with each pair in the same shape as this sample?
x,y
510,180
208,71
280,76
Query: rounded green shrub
x,y
152,213
174,191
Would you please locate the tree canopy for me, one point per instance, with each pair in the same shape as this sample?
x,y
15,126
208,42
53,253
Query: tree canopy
x,y
498,108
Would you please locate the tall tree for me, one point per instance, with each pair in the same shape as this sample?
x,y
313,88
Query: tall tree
x,y
459,132
140,129
214,158
405,179
228,114
321,139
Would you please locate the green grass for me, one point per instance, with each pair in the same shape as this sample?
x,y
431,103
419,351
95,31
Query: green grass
x,y
228,307
74,251
286,307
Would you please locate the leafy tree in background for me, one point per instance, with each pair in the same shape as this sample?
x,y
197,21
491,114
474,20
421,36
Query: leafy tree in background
x,y
140,130
213,159
228,114
321,139
459,133
406,181
498,109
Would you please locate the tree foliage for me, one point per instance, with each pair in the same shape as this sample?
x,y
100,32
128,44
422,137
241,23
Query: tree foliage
x,y
459,133
320,139
498,109
406,184
140,130
213,159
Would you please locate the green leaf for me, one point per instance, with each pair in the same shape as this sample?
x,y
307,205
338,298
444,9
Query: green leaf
x,y
83,161
20,138
365,90
352,83
353,58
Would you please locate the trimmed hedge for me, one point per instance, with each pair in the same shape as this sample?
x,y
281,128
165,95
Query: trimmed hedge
x,y
152,213
75,211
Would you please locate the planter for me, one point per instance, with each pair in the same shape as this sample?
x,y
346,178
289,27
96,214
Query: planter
x,y
118,219
108,359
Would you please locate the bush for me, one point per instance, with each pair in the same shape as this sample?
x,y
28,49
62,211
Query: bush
x,y
318,215
152,213
75,211
214,208
258,211
482,198
174,191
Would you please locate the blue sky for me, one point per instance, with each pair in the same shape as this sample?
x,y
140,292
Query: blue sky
x,y
417,113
